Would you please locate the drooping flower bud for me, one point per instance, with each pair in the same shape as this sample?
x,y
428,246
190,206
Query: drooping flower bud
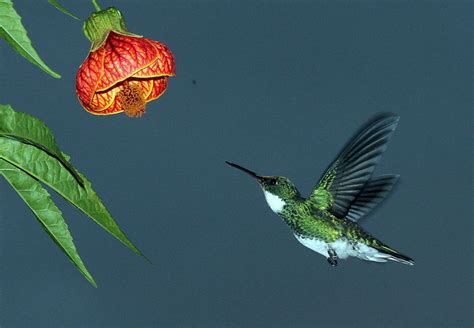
x,y
123,71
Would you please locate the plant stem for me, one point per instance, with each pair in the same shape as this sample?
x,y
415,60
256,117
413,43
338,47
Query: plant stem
x,y
96,5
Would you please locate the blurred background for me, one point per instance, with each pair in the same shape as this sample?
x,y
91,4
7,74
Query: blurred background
x,y
279,87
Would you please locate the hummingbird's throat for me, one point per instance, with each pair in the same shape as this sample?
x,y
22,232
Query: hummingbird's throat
x,y
276,203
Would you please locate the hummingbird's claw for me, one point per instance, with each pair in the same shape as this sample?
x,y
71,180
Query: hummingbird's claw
x,y
332,259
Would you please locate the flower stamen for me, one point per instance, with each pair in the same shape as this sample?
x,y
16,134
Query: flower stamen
x,y
132,99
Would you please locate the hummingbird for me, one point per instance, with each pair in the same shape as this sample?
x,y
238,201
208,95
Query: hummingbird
x,y
326,221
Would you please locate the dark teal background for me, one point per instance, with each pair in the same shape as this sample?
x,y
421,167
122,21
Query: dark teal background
x,y
280,87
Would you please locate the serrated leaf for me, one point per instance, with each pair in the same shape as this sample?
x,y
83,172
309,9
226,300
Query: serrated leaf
x,y
30,130
59,7
13,31
48,214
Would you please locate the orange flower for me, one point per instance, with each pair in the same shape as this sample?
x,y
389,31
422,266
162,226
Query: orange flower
x,y
123,71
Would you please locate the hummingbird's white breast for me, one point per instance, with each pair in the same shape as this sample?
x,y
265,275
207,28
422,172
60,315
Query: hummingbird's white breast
x,y
275,202
344,248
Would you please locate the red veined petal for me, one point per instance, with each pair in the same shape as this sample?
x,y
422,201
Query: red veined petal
x,y
159,87
124,56
163,66
88,76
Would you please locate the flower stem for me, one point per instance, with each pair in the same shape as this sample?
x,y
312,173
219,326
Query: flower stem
x,y
96,5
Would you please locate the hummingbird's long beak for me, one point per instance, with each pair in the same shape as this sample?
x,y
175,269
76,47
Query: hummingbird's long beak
x,y
251,173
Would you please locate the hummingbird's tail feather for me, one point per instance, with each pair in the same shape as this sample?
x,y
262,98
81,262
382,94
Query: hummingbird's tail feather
x,y
393,255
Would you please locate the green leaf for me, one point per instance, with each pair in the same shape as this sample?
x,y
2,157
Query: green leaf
x,y
59,7
48,170
30,130
48,214
12,31
27,144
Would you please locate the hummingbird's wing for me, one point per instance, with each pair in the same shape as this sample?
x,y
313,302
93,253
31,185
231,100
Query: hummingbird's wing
x,y
373,193
346,178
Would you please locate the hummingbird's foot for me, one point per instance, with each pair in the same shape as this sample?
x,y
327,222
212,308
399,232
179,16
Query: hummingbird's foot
x,y
332,259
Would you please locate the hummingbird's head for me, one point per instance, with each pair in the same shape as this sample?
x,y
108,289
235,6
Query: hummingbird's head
x,y
278,190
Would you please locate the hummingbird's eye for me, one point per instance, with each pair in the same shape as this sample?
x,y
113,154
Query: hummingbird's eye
x,y
272,182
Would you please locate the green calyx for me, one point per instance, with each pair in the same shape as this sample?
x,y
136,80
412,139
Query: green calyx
x,y
99,24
